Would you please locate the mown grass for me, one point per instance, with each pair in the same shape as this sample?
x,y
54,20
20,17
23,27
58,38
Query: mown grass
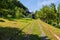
x,y
36,29
16,24
27,28
47,27
34,33
13,29
53,29
26,20
26,23
50,36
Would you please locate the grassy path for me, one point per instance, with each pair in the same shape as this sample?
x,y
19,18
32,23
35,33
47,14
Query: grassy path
x,y
29,32
49,32
33,29
41,29
43,35
36,29
36,32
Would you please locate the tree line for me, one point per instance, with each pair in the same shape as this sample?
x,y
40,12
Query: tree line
x,y
13,9
49,14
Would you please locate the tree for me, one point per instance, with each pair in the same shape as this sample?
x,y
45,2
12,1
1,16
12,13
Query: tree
x,y
58,11
12,9
49,14
58,14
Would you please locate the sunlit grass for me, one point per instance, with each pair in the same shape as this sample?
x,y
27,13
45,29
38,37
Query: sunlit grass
x,y
36,29
27,23
54,29
16,24
48,27
27,28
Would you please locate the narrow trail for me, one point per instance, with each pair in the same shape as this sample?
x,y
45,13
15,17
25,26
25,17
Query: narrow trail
x,y
29,32
49,30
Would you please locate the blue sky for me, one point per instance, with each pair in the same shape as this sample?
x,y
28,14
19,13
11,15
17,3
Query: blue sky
x,y
34,5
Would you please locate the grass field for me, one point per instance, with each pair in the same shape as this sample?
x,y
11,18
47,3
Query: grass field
x,y
18,29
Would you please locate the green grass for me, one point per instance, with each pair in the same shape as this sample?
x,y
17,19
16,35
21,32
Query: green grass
x,y
16,23
26,20
27,28
36,29
10,28
47,27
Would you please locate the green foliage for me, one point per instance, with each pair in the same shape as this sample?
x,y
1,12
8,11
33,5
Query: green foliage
x,y
49,14
12,9
58,12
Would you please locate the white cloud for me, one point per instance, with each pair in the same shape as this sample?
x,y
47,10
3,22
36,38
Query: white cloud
x,y
46,2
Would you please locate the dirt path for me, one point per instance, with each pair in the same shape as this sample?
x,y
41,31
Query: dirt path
x,y
50,31
29,32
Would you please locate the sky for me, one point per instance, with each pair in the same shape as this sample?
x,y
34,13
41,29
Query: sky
x,y
34,5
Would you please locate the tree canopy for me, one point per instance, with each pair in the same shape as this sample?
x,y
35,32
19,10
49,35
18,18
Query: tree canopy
x,y
50,14
12,9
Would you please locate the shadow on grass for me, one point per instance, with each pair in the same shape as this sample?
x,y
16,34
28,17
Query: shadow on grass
x,y
35,37
7,33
